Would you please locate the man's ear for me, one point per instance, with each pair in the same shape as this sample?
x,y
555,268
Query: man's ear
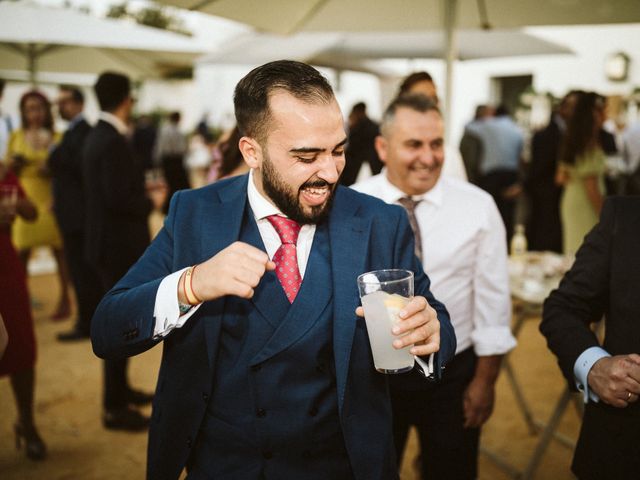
x,y
382,146
251,151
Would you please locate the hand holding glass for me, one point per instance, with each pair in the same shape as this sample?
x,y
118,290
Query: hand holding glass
x,y
383,294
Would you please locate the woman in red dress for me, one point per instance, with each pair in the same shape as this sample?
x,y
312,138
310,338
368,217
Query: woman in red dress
x,y
19,358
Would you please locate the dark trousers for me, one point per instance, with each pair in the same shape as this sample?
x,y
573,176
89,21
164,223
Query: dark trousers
x,y
175,176
85,280
448,451
495,183
116,385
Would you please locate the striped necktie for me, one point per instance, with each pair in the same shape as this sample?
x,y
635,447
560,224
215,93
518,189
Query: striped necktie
x,y
410,206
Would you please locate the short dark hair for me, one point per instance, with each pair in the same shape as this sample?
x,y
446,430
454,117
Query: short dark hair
x,y
502,111
174,117
411,80
417,102
76,94
251,96
112,89
359,107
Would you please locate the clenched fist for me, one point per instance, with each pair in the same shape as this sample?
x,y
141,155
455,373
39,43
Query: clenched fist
x,y
236,270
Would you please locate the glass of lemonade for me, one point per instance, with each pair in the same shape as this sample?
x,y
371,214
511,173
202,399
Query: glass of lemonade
x,y
383,294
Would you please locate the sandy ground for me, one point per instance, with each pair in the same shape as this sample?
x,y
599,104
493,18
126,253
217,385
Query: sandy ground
x,y
68,411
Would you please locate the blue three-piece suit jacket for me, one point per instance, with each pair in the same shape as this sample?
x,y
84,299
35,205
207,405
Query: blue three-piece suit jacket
x,y
260,388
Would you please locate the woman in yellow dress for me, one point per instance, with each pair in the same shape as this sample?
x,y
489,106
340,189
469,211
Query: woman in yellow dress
x,y
27,154
582,170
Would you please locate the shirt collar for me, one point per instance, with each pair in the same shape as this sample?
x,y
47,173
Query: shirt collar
x,y
391,193
114,121
75,120
259,204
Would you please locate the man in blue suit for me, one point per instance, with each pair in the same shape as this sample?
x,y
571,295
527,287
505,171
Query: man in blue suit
x,y
267,371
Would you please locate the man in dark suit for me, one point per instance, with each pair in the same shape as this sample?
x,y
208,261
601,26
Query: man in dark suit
x,y
267,371
605,279
544,229
117,232
65,164
360,147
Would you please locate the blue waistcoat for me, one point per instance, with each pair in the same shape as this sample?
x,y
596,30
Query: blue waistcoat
x,y
273,413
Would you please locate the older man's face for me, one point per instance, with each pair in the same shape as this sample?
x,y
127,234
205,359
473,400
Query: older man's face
x,y
413,150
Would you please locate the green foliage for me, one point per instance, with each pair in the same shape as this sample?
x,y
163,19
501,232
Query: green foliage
x,y
153,16
118,11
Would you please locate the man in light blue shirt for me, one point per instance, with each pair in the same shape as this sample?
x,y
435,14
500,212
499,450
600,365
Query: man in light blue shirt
x,y
502,143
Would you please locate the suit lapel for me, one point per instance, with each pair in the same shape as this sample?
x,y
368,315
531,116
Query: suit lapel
x,y
222,218
309,305
220,227
346,230
269,299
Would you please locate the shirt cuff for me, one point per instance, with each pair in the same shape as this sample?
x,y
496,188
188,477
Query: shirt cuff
x,y
582,367
426,366
166,310
493,340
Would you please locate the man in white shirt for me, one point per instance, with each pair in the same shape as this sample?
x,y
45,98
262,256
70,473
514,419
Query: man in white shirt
x,y
251,286
169,152
461,238
631,158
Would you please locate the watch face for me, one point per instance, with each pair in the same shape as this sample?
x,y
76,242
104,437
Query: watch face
x,y
617,67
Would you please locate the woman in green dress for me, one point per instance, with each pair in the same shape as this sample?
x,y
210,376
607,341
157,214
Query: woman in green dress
x,y
581,171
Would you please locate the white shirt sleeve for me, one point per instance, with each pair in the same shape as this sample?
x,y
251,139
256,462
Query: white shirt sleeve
x,y
491,333
427,367
166,310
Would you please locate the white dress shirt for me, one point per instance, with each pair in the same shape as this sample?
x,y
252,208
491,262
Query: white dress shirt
x,y
166,310
114,121
465,256
631,147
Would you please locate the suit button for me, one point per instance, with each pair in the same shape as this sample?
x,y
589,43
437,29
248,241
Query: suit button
x,y
256,368
267,455
189,442
313,411
261,412
205,397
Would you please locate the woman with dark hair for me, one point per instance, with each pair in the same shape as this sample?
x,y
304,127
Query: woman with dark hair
x,y
19,359
232,161
581,170
27,153
419,83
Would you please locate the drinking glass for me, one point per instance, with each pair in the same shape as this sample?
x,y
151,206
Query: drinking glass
x,y
383,294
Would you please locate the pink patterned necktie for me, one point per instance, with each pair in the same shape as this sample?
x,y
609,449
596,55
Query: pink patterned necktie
x,y
286,258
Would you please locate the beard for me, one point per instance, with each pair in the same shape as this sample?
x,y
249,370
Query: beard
x,y
287,200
